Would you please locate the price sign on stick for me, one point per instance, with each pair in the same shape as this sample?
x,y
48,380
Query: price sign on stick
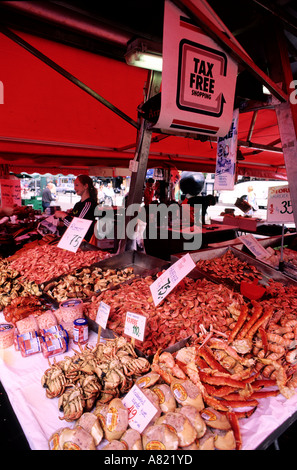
x,y
102,317
74,234
140,409
171,277
254,246
102,314
279,207
135,325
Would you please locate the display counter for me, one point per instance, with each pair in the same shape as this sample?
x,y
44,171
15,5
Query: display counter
x,y
170,241
39,416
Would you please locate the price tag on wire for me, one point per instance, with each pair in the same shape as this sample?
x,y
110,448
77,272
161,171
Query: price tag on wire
x,y
140,409
279,207
135,325
171,277
74,234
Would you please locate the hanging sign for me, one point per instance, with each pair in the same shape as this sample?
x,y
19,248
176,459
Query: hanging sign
x,y
10,190
74,234
279,207
171,277
226,157
198,79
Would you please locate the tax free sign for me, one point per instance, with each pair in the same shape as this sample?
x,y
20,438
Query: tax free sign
x,y
198,79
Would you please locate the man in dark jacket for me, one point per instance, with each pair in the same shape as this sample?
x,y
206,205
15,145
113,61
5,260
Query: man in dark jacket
x,y
47,197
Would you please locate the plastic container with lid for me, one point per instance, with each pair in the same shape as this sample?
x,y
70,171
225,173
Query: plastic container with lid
x,y
71,310
80,331
24,337
6,335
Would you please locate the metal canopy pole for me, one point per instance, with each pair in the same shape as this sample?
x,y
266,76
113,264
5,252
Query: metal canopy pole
x,y
17,39
286,112
141,157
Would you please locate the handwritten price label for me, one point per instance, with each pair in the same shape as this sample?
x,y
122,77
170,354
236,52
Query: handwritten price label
x,y
279,207
140,410
135,325
171,277
102,314
254,246
74,234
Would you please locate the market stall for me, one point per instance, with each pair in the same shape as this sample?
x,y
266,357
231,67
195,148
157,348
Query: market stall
x,y
209,338
215,286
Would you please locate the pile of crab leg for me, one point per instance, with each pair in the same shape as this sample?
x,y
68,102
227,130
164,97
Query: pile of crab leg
x,y
256,358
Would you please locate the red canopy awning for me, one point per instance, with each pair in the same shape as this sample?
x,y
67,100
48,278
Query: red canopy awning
x,y
48,122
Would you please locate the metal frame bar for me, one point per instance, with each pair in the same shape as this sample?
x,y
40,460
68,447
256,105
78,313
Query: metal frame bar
x,y
21,42
236,52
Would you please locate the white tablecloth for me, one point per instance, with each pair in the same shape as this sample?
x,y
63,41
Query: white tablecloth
x,y
39,415
21,378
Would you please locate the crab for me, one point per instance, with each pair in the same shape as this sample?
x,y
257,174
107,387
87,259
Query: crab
x,y
72,403
134,366
91,388
54,381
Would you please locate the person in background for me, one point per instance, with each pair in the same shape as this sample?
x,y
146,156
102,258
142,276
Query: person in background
x,y
108,194
100,194
53,189
251,199
83,209
205,202
47,197
149,191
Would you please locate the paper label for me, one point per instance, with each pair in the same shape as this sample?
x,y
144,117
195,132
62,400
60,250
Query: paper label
x,y
102,314
135,325
254,246
74,234
279,207
140,409
171,277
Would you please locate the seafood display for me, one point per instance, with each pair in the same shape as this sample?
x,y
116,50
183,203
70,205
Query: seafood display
x,y
22,307
43,263
186,426
229,267
181,419
93,374
12,287
237,350
85,282
179,315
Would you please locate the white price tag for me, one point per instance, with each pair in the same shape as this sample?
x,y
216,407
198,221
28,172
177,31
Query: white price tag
x,y
254,246
102,314
171,277
133,166
140,410
279,208
74,234
135,325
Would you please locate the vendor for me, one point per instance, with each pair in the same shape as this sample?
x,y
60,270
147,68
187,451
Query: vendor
x,y
85,208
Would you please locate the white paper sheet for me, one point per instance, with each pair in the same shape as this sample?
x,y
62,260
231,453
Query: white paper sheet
x,y
39,415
